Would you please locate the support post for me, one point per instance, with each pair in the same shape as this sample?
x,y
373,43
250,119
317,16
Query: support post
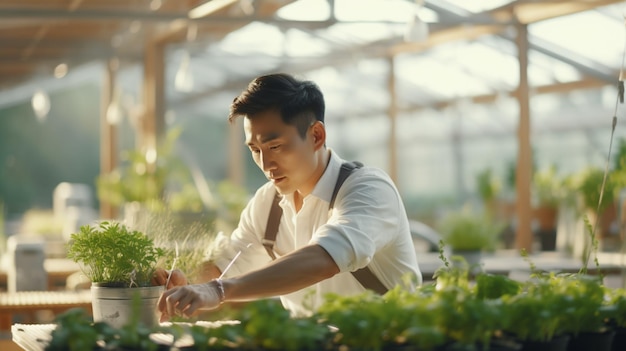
x,y
152,127
393,117
523,235
108,135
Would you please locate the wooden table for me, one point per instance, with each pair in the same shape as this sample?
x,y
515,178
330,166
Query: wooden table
x,y
510,262
58,270
28,302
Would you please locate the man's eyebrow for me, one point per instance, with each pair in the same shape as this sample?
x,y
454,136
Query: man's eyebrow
x,y
265,139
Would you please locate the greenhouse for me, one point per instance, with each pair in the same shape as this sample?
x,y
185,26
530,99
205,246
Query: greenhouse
x,y
499,108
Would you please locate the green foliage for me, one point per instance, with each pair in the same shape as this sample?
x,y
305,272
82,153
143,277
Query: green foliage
x,y
465,230
589,185
263,324
537,312
585,297
372,322
113,254
466,319
490,286
615,306
75,331
488,185
141,179
548,187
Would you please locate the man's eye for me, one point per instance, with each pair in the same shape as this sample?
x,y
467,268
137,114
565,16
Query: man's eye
x,y
255,151
274,147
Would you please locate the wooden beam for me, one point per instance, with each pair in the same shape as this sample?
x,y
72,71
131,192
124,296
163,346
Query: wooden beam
x,y
462,32
532,12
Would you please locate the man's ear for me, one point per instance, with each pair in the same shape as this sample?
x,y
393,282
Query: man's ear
x,y
318,134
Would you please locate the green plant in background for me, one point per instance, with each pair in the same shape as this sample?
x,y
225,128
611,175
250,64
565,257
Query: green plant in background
x,y
488,185
548,187
466,230
41,222
144,178
589,185
113,255
188,241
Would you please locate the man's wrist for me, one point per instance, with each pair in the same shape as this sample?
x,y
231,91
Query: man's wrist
x,y
219,288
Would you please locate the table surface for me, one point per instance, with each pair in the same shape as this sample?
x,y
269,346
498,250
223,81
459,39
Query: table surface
x,y
508,262
35,337
58,269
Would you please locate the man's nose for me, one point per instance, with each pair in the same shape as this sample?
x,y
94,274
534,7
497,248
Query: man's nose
x,y
267,163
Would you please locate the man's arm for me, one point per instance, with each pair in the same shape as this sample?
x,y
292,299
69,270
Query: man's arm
x,y
299,269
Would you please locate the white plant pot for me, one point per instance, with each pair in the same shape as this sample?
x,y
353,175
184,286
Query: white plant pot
x,y
114,305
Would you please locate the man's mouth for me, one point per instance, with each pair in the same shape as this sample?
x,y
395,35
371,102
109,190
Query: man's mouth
x,y
277,180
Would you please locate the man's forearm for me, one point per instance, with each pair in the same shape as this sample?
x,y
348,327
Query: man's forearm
x,y
209,272
290,273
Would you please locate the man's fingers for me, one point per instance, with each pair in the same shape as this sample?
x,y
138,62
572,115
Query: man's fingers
x,y
159,277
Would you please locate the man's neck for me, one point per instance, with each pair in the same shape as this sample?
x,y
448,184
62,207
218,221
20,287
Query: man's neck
x,y
298,197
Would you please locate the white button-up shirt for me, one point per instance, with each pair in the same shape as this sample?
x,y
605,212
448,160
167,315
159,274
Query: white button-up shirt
x,y
368,226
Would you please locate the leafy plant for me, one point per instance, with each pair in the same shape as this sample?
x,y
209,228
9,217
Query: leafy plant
x,y
144,178
466,230
615,306
75,331
548,187
587,311
111,254
491,286
488,185
589,187
369,321
537,312
262,324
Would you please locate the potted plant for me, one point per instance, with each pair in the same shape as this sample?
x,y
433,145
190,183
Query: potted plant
x,y
547,190
489,187
468,234
120,264
589,187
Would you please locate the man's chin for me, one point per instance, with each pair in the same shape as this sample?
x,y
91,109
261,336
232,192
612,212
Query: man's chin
x,y
283,190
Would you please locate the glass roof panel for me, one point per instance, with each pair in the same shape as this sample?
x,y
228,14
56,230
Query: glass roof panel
x,y
254,38
305,10
589,34
362,33
374,10
478,6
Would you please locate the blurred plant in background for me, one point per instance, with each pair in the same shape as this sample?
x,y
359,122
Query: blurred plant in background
x,y
150,182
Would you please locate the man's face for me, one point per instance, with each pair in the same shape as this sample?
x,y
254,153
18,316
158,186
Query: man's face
x,y
286,159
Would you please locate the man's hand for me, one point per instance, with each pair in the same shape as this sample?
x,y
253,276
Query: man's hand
x,y
186,300
177,278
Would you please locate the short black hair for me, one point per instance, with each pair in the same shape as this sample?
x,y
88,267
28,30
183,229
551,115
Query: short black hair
x,y
300,102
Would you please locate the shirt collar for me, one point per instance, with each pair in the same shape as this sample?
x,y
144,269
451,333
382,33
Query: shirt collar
x,y
325,186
